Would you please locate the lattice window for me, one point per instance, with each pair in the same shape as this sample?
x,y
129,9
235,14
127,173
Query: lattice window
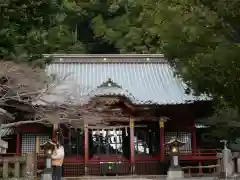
x,y
29,142
183,136
168,137
187,138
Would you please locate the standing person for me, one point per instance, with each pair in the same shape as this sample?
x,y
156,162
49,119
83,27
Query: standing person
x,y
57,161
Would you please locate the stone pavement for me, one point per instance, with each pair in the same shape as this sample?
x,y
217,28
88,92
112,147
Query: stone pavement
x,y
135,178
203,178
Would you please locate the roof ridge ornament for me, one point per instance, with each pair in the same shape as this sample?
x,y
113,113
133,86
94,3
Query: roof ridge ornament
x,y
110,83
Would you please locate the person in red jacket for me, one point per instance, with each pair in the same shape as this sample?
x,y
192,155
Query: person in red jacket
x,y
57,161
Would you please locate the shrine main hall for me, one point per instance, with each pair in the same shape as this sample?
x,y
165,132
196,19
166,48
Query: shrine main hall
x,y
139,105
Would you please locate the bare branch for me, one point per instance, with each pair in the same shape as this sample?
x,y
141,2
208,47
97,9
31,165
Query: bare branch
x,y
53,99
20,123
20,81
3,112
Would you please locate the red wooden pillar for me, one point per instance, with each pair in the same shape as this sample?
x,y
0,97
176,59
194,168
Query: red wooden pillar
x,y
18,144
194,139
132,149
162,140
199,162
86,148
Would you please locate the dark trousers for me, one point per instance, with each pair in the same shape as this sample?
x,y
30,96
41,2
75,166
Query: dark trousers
x,y
57,173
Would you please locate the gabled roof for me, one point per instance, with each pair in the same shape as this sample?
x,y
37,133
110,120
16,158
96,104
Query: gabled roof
x,y
110,88
144,79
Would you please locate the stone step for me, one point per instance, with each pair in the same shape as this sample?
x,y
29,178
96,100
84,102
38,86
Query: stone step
x,y
137,177
134,178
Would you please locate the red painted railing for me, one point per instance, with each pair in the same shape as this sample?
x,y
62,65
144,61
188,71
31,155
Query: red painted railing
x,y
202,152
199,154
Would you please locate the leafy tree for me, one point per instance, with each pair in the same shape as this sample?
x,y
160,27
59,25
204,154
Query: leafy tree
x,y
126,28
30,28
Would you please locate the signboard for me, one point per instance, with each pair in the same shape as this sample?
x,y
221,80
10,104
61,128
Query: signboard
x,y
175,160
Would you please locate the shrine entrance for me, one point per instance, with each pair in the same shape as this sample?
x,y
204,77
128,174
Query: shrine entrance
x,y
116,141
112,134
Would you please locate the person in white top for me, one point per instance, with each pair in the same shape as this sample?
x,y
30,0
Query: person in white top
x,y
57,161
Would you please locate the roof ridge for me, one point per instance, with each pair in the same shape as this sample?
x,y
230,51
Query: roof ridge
x,y
107,58
105,55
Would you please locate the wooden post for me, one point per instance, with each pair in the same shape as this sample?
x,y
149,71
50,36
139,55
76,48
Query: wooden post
x,y
5,168
86,156
219,169
18,139
200,169
17,169
30,166
37,145
132,149
69,140
194,139
162,141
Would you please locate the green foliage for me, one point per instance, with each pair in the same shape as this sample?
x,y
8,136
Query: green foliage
x,y
224,124
30,28
127,29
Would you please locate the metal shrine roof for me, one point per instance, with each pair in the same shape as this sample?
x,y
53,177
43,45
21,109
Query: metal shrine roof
x,y
144,79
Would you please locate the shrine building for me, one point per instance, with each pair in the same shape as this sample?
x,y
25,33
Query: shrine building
x,y
138,105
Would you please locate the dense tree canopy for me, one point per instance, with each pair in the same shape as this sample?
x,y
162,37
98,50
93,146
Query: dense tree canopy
x,y
30,28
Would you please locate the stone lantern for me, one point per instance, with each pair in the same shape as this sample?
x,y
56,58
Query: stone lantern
x,y
175,170
48,148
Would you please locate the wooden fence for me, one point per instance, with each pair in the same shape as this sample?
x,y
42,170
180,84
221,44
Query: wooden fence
x,y
18,166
